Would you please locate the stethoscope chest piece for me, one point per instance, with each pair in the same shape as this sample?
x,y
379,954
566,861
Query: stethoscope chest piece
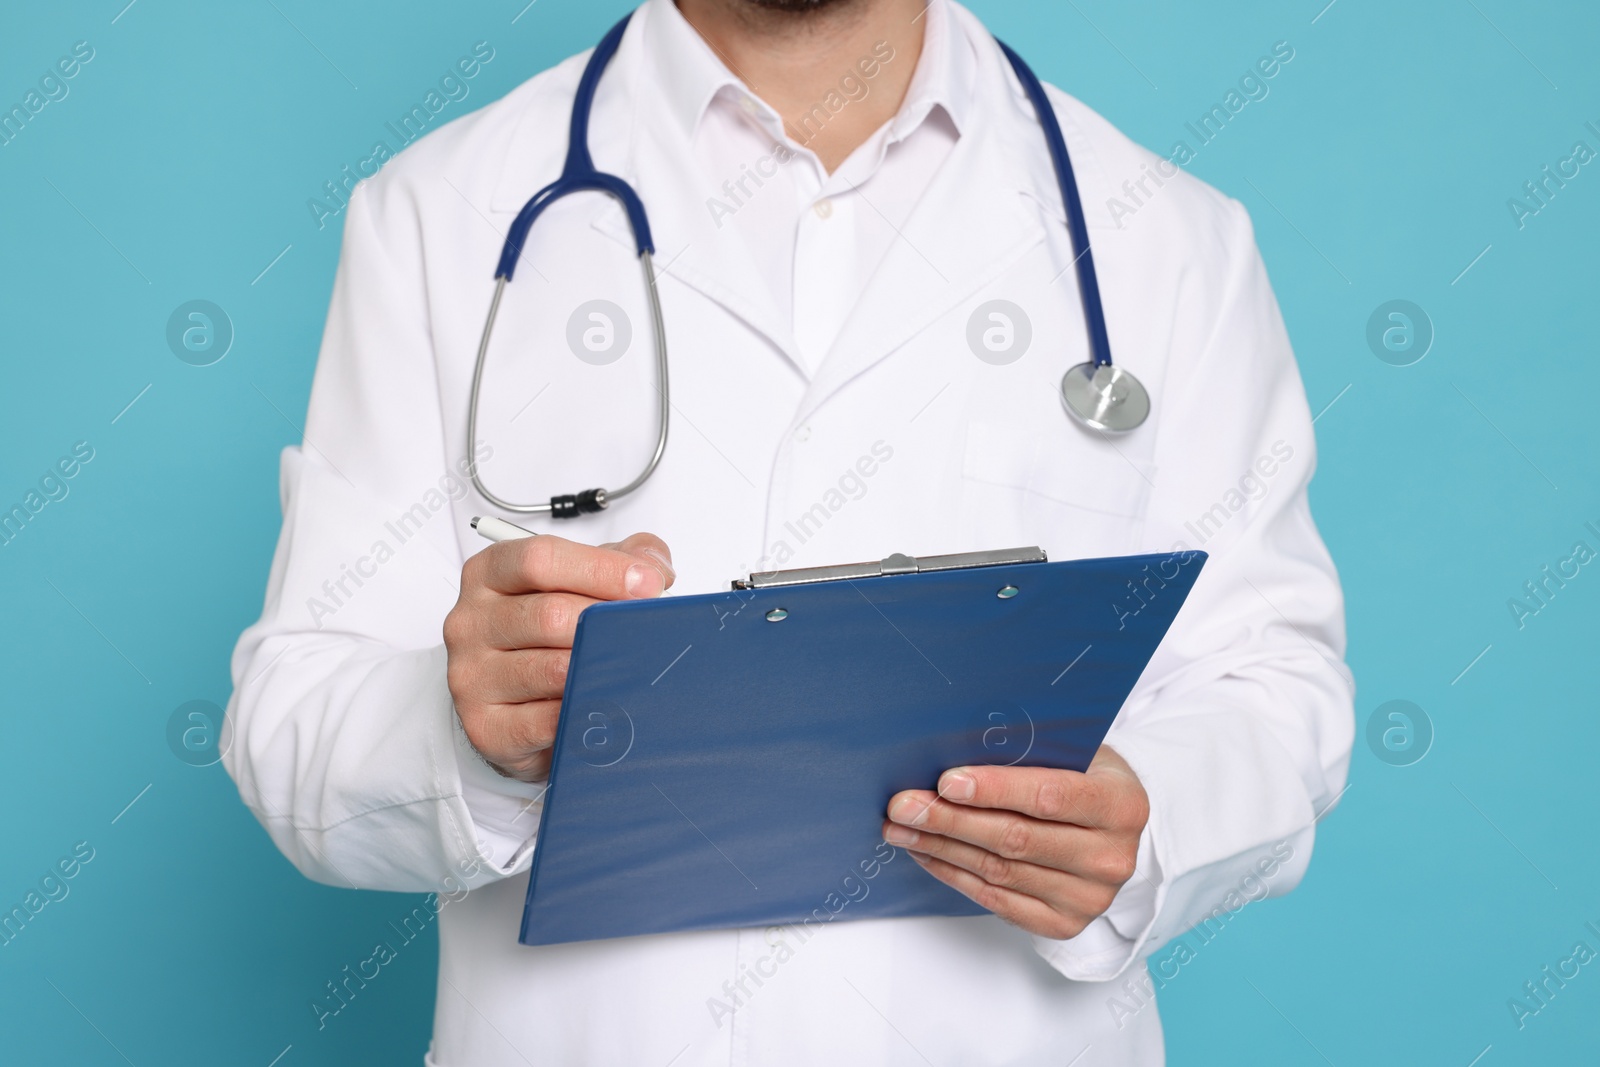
x,y
1104,397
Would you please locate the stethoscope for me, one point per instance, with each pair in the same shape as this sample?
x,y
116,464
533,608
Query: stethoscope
x,y
1097,394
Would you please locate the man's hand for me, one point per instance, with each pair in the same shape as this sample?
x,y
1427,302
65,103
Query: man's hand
x,y
509,637
1044,849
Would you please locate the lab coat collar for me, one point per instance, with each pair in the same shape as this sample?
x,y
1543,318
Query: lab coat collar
x,y
997,167
691,246
655,158
996,181
534,156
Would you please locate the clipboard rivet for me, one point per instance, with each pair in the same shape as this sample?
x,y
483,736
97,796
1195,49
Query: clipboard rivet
x,y
1006,592
777,614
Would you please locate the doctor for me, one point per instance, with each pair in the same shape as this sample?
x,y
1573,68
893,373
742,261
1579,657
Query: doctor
x,y
869,291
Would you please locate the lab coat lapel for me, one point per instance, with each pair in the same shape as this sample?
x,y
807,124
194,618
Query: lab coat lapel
x,y
655,159
980,214
690,247
977,218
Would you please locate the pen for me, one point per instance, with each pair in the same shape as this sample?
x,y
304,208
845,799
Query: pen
x,y
499,529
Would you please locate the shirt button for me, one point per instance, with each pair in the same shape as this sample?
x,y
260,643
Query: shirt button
x,y
749,106
803,433
823,208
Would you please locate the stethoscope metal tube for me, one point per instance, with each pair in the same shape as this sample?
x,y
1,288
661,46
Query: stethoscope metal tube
x,y
589,500
1097,394
578,175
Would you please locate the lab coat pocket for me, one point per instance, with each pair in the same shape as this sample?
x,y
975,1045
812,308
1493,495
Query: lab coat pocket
x,y
1048,489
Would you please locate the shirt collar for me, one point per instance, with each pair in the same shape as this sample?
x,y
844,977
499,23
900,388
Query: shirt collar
x,y
692,75
689,74
944,74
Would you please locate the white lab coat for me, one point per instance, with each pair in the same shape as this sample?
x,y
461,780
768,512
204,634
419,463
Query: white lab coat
x,y
345,743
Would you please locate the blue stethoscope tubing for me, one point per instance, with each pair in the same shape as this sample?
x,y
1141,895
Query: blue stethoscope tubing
x,y
579,175
1098,394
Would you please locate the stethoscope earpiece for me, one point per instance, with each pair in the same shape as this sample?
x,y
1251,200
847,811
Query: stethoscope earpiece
x,y
1104,397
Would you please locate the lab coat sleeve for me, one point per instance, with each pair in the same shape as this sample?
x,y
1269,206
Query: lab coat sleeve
x,y
1240,728
344,739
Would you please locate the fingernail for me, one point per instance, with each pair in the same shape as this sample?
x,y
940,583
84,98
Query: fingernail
x,y
957,785
899,835
642,581
910,811
666,564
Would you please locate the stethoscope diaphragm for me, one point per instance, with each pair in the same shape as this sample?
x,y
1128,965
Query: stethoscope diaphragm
x,y
1104,397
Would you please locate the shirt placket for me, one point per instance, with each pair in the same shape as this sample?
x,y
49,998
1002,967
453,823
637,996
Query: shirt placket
x,y
825,269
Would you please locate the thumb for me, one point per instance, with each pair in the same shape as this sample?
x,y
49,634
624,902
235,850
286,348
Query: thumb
x,y
650,549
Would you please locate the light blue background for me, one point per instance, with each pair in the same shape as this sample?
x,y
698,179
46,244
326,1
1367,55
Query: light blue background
x,y
1378,168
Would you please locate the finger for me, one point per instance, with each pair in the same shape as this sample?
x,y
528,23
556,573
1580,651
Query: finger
x,y
1019,909
518,732
533,620
532,767
549,563
1050,885
1007,834
1106,798
524,675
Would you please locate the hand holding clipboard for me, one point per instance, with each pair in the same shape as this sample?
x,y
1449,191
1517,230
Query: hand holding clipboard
x,y
690,725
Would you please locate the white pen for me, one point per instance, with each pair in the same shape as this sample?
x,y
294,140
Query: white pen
x,y
499,529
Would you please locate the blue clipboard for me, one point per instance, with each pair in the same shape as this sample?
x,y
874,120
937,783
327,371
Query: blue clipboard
x,y
724,760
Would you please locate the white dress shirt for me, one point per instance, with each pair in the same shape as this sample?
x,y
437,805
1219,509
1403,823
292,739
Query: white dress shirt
x,y
819,317
815,237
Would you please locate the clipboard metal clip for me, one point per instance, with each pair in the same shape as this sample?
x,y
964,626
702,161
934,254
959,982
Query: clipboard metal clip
x,y
894,564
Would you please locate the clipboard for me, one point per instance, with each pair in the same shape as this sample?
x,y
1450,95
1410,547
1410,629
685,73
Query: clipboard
x,y
725,759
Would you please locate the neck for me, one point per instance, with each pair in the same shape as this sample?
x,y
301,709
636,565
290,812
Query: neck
x,y
834,72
